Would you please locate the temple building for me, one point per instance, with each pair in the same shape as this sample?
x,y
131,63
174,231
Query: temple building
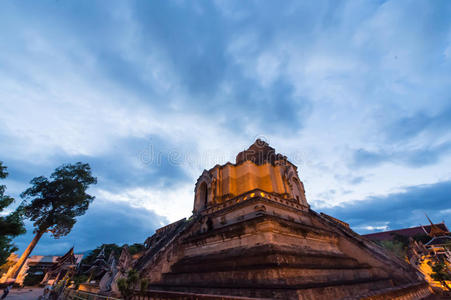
x,y
64,268
433,234
426,247
46,268
253,234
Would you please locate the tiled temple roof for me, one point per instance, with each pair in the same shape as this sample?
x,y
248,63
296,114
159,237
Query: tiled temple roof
x,y
408,232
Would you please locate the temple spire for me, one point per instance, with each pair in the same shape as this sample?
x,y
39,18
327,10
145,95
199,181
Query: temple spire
x,y
259,153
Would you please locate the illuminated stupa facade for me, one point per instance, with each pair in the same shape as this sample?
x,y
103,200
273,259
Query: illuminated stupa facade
x,y
260,176
253,234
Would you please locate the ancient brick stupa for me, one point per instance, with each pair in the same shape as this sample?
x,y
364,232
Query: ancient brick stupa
x,y
253,234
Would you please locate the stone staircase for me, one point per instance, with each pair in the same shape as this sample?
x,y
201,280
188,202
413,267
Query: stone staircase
x,y
271,271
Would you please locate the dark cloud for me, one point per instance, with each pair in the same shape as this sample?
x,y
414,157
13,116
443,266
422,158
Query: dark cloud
x,y
191,41
195,44
104,222
398,210
409,127
357,180
134,162
272,109
130,162
416,158
194,41
364,158
179,57
404,130
350,178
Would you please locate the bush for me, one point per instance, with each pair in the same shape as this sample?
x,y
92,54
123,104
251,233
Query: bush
x,y
79,279
144,284
127,285
395,247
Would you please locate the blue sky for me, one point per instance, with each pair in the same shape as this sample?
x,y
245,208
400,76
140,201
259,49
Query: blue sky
x,y
150,93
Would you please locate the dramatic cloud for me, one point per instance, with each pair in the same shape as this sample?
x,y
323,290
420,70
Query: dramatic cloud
x,y
398,210
411,157
151,93
421,123
105,222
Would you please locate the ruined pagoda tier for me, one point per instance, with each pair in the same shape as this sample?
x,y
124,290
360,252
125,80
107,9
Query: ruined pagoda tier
x,y
253,234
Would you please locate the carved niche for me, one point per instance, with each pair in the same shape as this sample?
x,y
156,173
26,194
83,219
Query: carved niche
x,y
204,191
295,186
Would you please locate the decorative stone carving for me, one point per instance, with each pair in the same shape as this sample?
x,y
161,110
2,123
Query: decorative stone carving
x,y
202,191
107,278
123,266
207,224
99,267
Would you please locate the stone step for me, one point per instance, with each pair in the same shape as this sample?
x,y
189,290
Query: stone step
x,y
265,257
271,276
330,290
206,264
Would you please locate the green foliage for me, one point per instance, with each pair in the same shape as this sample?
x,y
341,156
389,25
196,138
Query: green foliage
x,y
136,248
79,278
441,273
6,248
144,283
10,225
396,247
127,285
400,243
52,204
404,240
122,286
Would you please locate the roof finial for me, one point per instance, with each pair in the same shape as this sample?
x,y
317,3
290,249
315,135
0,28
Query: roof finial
x,y
435,230
428,219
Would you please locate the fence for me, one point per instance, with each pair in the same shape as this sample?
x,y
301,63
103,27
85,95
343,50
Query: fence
x,y
70,294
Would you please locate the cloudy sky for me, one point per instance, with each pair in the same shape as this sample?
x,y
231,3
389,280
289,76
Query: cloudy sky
x,y
150,93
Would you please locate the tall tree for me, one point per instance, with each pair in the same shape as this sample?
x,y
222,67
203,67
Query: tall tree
x,y
52,204
10,225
